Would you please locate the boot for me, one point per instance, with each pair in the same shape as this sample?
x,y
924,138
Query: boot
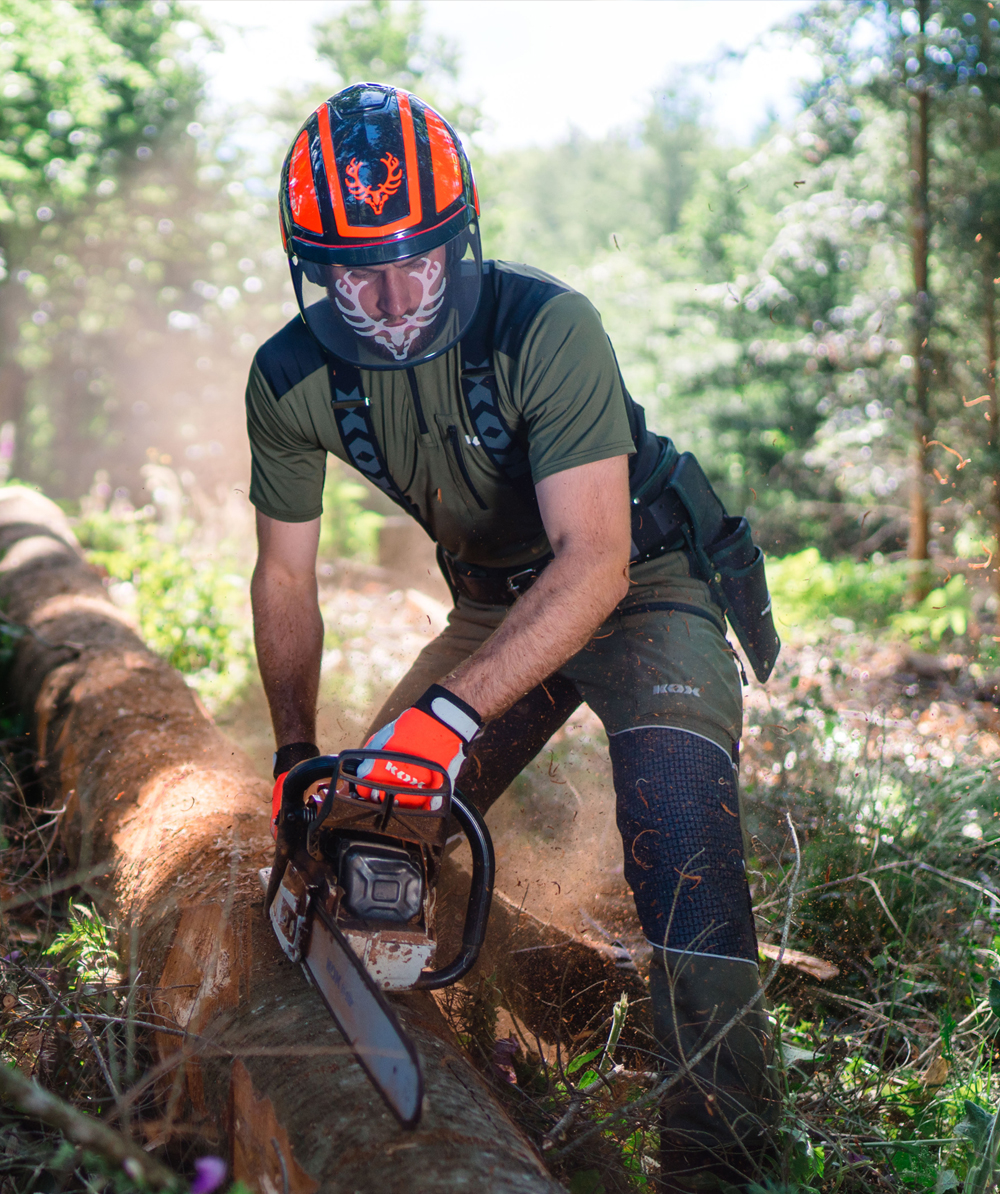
x,y
715,1124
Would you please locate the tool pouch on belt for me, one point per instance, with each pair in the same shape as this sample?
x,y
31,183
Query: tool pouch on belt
x,y
730,563
676,507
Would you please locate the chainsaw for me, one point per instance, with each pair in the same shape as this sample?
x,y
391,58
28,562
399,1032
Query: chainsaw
x,y
351,897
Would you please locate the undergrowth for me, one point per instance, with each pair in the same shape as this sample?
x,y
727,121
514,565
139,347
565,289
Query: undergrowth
x,y
186,579
72,1018
187,589
887,1069
816,596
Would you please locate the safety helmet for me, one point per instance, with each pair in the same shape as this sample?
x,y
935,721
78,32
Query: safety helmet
x,y
379,218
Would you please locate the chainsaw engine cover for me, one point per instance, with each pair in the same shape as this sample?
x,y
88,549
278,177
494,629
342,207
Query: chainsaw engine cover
x,y
381,883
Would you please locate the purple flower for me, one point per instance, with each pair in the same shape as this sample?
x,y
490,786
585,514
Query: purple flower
x,y
15,956
504,1051
209,1174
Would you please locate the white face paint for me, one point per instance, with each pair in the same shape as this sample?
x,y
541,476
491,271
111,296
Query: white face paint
x,y
396,337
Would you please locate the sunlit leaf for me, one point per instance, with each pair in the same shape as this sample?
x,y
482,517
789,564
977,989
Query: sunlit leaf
x,y
578,1062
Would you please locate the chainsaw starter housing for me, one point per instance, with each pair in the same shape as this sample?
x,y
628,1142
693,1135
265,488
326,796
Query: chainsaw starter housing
x,y
380,883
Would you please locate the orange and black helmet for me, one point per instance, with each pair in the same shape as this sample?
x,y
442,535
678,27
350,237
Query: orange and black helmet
x,y
377,181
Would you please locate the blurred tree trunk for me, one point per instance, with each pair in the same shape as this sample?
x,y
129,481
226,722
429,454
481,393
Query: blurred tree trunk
x,y
920,225
990,337
990,234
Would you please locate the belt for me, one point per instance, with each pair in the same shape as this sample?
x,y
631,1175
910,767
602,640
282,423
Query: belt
x,y
489,586
660,524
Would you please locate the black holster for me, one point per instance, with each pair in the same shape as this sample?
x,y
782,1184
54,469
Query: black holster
x,y
675,507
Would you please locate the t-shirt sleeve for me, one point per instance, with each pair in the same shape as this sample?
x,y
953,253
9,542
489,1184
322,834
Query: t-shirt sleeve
x,y
571,395
288,465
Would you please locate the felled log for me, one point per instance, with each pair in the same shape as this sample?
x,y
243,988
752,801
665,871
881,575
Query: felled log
x,y
153,788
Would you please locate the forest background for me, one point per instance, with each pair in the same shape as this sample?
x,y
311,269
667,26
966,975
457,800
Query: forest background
x,y
814,316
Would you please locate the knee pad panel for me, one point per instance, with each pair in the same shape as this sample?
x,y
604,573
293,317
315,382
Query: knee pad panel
x,y
678,814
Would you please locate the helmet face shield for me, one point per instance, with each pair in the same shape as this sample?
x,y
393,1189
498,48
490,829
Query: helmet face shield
x,y
395,314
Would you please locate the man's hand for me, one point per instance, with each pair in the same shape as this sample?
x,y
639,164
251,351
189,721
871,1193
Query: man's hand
x,y
285,758
438,727
288,628
585,511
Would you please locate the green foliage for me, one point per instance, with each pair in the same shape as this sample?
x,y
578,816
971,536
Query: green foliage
x,y
912,940
943,611
347,530
189,598
816,596
84,945
526,219
806,589
131,263
81,82
373,40
587,1181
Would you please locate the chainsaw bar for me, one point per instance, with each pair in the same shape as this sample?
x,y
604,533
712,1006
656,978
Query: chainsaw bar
x,y
365,1019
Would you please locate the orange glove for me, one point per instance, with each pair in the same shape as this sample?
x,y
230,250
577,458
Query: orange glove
x,y
438,727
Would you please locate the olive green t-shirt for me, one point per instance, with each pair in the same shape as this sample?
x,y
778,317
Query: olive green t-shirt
x,y
559,392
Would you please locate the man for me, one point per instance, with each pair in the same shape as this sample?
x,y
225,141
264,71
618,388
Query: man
x,y
485,399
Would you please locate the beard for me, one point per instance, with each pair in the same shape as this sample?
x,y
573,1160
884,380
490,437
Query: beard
x,y
396,340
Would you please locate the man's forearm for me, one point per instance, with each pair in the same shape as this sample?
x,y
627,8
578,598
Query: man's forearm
x,y
288,632
548,625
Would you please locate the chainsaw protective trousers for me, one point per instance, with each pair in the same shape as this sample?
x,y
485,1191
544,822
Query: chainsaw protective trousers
x,y
662,679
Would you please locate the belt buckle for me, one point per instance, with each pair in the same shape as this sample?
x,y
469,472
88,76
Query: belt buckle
x,y
520,581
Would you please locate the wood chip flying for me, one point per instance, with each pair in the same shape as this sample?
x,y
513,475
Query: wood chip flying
x,y
814,967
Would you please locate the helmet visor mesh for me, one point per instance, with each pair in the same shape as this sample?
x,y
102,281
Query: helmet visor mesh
x,y
393,315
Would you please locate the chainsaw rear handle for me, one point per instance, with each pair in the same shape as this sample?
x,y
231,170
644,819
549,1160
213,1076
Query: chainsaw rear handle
x,y
480,897
303,775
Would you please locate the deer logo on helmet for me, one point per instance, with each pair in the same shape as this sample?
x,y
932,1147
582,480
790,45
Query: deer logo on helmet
x,y
374,197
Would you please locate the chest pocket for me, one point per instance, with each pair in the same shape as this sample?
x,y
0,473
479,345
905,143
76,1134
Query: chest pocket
x,y
463,453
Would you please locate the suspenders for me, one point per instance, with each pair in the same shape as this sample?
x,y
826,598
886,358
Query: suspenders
x,y
482,401
354,422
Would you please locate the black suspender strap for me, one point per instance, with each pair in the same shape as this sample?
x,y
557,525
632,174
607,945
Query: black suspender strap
x,y
354,422
482,401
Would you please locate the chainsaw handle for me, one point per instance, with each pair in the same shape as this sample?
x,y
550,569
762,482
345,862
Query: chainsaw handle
x,y
297,782
480,897
302,776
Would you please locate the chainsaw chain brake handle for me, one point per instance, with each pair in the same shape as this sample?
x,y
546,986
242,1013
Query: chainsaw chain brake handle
x,y
480,897
298,825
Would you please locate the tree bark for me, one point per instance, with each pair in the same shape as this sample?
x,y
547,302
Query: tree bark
x,y
153,788
917,546
990,337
